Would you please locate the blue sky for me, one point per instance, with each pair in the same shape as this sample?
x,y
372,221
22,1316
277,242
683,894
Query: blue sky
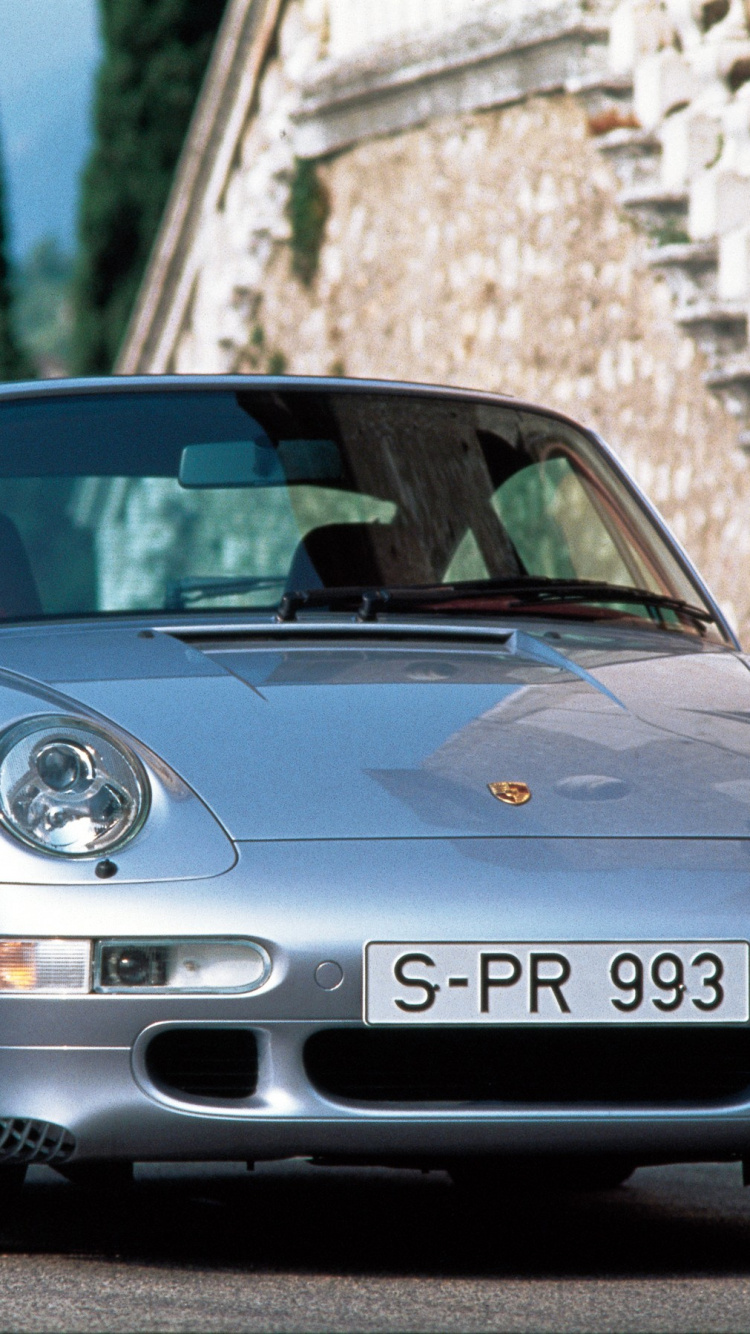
x,y
48,56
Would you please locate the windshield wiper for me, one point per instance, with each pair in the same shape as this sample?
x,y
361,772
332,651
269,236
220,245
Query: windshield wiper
x,y
513,594
182,593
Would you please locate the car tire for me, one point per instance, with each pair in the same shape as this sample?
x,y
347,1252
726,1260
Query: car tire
x,y
12,1178
540,1174
108,1179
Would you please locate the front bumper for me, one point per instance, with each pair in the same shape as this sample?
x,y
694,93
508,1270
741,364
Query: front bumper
x,y
104,1098
80,1063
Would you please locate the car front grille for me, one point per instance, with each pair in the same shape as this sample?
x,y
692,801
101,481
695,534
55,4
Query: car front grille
x,y
217,1063
23,1140
626,1066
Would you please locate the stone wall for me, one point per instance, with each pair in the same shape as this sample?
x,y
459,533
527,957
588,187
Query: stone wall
x,y
489,248
491,252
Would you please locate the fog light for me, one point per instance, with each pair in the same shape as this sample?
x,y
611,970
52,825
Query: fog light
x,y
45,965
133,966
180,965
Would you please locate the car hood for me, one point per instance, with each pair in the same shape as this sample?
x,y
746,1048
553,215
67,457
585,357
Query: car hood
x,y
293,737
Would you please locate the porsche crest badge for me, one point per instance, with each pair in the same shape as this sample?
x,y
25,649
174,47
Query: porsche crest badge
x,y
513,794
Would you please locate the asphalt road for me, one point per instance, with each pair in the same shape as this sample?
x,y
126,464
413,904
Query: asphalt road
x,y
299,1248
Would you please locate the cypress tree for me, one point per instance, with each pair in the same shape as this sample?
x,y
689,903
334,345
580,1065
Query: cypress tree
x,y
155,56
13,364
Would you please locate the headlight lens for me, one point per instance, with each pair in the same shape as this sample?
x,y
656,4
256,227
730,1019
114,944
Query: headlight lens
x,y
69,789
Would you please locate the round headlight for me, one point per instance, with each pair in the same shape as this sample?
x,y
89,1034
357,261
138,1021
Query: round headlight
x,y
70,789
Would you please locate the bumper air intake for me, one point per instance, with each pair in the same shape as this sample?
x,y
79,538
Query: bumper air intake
x,y
624,1066
26,1141
220,1064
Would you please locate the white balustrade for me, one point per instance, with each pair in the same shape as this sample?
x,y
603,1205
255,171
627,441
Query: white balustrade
x,y
358,24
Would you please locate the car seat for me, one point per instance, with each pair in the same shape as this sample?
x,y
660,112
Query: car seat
x,y
338,555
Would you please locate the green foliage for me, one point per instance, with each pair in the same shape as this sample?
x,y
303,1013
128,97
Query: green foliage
x,y
258,358
307,211
13,363
277,363
44,316
670,233
156,52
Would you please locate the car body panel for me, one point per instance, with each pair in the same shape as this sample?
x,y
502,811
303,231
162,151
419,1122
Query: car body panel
x,y
89,652
287,895
403,740
323,784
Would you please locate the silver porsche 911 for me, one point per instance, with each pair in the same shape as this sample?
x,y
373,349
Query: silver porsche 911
x,y
374,788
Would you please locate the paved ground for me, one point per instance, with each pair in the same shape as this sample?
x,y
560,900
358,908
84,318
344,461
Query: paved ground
x,y
298,1248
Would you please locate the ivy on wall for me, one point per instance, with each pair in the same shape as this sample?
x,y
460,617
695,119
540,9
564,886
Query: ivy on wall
x,y
307,210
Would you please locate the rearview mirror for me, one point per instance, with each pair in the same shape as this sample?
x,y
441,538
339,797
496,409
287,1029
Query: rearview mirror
x,y
247,463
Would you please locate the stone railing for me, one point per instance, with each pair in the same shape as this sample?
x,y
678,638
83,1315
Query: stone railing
x,y
358,24
497,55
686,169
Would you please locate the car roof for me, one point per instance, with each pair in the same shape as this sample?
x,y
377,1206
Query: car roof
x,y
19,390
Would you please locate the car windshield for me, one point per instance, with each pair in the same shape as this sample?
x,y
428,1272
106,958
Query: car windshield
x,y
225,500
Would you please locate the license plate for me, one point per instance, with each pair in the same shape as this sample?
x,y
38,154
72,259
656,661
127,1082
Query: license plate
x,y
630,982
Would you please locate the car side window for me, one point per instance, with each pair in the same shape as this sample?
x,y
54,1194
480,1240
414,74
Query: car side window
x,y
157,534
467,563
316,506
556,527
